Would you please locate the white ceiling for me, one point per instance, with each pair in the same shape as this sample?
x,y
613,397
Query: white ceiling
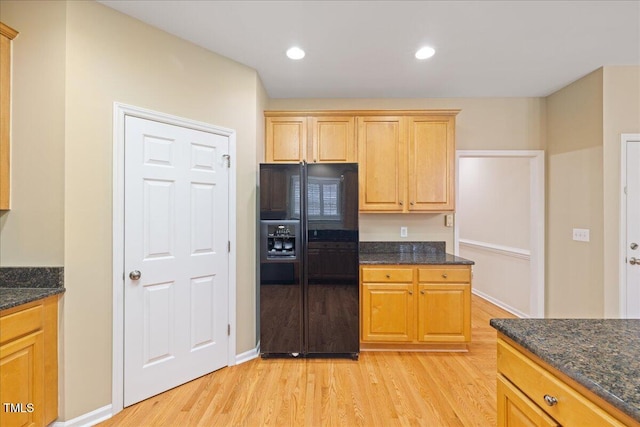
x,y
365,49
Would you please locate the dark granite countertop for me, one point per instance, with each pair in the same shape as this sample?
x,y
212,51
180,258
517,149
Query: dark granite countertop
x,y
382,253
601,354
21,285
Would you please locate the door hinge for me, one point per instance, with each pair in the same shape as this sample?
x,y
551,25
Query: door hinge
x,y
228,330
227,157
228,245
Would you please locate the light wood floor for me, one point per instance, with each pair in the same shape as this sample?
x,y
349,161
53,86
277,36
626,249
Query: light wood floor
x,y
381,389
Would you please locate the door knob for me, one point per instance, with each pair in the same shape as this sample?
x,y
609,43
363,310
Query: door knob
x,y
634,261
135,275
633,246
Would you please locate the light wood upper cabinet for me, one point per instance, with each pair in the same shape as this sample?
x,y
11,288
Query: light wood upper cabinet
x,y
315,139
407,163
286,139
431,163
381,159
6,35
332,140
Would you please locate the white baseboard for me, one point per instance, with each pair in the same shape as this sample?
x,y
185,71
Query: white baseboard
x,y
500,304
87,420
248,355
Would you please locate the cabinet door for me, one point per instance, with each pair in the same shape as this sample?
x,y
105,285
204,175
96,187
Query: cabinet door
x,y
6,35
332,140
431,163
22,385
387,312
381,163
444,311
515,409
286,139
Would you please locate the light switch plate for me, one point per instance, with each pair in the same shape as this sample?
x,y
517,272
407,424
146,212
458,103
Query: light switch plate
x,y
404,231
448,220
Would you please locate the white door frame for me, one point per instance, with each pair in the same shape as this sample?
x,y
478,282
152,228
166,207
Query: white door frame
x,y
536,221
119,113
622,267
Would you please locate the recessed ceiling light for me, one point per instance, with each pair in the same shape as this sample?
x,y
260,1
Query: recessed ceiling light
x,y
295,53
425,52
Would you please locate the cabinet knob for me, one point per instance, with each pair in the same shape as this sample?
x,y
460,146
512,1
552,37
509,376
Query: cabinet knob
x,y
550,400
388,276
422,292
444,275
400,202
410,292
411,203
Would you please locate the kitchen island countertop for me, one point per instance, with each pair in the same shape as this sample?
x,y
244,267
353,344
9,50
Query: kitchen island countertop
x,y
599,354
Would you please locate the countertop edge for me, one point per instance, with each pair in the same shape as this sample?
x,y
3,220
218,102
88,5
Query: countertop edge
x,y
28,295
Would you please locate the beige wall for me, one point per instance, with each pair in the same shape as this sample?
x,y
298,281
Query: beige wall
x,y
482,124
621,114
585,121
574,276
32,233
64,161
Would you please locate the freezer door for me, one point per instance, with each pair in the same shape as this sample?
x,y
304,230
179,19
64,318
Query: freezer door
x,y
281,268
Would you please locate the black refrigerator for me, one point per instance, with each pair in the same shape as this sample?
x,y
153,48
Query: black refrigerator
x,y
308,250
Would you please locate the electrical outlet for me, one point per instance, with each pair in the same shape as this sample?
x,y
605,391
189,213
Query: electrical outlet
x,y
581,234
404,231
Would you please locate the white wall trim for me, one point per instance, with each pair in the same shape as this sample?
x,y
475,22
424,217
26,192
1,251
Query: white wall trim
x,y
248,355
497,249
536,220
622,266
500,304
120,111
89,419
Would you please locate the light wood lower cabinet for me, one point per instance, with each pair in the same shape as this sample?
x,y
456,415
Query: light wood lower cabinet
x,y
415,307
29,364
530,394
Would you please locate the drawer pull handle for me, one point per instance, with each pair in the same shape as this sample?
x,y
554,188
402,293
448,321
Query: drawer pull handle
x,y
444,276
550,400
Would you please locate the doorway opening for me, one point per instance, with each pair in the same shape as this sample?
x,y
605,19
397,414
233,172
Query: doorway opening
x,y
527,258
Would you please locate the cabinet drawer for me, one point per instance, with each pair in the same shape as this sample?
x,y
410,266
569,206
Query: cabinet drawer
x,y
20,323
387,275
571,409
454,275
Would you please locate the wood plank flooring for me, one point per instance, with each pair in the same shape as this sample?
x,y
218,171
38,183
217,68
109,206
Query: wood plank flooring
x,y
381,389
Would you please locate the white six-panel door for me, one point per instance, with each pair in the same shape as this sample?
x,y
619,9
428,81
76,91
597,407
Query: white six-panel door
x,y
632,253
176,237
